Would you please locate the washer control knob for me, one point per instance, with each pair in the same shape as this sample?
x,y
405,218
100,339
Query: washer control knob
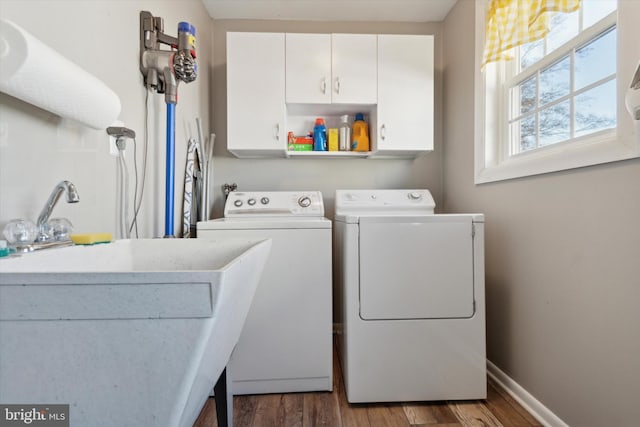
x,y
237,203
414,195
251,202
304,201
264,200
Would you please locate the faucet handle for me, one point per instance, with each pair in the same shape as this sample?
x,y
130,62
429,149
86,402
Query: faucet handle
x,y
20,232
60,228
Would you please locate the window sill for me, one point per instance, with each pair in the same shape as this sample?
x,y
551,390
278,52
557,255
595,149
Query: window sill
x,y
560,158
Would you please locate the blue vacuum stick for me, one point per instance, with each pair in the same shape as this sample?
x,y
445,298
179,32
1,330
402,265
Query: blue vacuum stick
x,y
170,187
162,71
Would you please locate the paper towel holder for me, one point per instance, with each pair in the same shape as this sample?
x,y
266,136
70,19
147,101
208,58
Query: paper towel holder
x,y
65,89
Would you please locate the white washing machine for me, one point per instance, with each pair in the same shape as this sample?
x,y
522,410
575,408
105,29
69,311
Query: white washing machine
x,y
411,291
286,343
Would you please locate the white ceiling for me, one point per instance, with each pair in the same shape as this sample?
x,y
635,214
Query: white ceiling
x,y
331,10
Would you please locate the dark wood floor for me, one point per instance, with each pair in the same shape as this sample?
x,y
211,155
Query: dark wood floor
x,y
333,410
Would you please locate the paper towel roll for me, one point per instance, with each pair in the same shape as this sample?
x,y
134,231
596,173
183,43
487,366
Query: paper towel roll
x,y
35,73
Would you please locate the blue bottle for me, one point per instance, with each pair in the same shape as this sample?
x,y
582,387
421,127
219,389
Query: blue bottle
x,y
319,136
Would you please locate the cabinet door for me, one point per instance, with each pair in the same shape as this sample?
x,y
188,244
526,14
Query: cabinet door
x,y
308,68
405,93
354,76
255,94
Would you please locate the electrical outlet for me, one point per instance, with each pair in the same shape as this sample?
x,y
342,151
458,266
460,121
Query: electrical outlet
x,y
113,148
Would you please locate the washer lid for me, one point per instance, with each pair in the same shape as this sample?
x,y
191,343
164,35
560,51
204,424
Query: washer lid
x,y
274,204
384,202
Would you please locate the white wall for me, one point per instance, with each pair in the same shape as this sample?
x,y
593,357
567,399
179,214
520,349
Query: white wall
x,y
562,270
326,175
38,149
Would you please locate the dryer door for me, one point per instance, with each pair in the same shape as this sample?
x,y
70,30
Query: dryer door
x,y
416,267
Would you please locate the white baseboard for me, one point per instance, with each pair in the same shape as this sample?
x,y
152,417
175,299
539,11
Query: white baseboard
x,y
524,398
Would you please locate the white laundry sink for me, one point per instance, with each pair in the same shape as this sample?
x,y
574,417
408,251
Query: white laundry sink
x,y
129,333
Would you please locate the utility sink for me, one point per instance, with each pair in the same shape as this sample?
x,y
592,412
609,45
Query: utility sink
x,y
130,333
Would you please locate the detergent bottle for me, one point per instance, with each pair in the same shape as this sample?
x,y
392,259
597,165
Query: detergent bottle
x,y
360,138
319,136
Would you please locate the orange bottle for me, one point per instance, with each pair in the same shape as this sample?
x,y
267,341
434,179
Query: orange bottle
x,y
360,134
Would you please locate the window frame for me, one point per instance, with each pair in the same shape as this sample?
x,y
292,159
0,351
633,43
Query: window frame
x,y
492,160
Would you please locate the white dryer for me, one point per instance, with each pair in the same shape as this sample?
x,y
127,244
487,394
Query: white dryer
x,y
411,291
286,343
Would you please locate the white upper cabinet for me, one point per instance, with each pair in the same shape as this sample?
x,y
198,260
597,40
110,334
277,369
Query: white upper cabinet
x,y
279,82
308,68
353,66
405,94
331,68
256,94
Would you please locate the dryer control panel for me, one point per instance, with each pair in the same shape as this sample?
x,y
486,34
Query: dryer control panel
x,y
384,202
274,203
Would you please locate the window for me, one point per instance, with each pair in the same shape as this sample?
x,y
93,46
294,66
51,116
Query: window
x,y
560,103
565,86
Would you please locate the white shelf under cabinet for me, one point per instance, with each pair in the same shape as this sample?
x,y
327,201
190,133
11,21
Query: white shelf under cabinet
x,y
355,154
330,154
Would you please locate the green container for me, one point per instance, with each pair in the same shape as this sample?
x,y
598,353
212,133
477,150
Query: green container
x,y
300,147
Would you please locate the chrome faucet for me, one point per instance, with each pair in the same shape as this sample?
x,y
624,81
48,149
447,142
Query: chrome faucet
x,y
72,197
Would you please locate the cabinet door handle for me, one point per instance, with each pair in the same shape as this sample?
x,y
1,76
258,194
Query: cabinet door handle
x,y
323,85
338,85
383,132
277,129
